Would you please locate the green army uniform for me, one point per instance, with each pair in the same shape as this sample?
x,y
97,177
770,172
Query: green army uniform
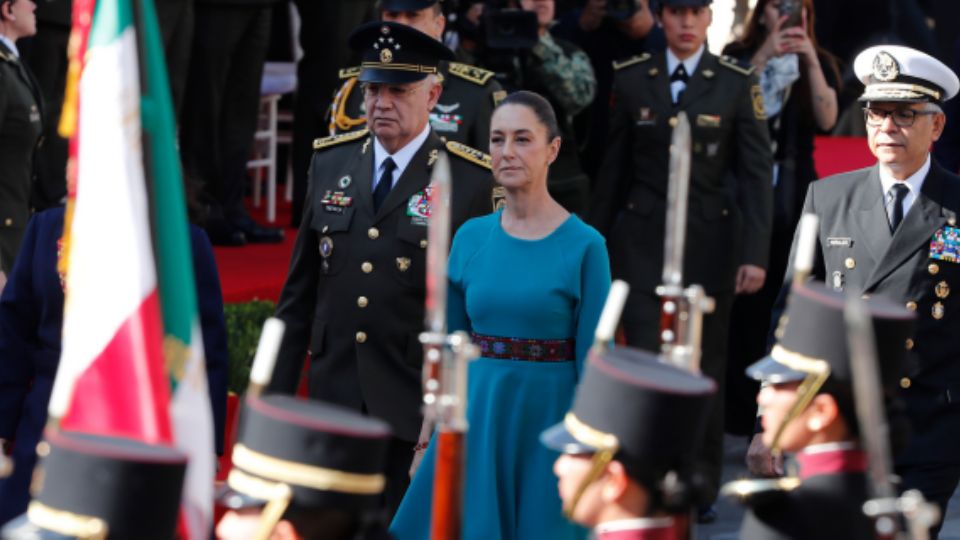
x,y
730,201
462,114
21,125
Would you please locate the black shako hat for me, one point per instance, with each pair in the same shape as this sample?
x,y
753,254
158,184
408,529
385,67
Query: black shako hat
x,y
812,334
313,454
406,5
625,402
394,53
97,487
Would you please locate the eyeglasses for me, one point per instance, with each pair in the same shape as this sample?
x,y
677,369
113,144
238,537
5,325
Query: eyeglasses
x,y
374,90
901,117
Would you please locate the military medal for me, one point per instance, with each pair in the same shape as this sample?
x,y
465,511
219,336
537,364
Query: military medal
x,y
838,281
326,249
418,207
945,244
335,201
344,182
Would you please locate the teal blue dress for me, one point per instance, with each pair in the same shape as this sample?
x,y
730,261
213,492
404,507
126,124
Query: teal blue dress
x,y
552,288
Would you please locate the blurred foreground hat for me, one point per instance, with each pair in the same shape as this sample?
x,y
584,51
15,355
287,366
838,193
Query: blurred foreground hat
x,y
394,53
897,73
94,487
406,5
308,455
655,5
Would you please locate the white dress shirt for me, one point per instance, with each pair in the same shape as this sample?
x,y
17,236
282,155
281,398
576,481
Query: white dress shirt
x,y
401,159
690,64
914,182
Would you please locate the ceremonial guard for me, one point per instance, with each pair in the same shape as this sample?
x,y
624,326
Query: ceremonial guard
x,y
618,473
809,409
355,291
891,229
100,488
469,93
729,220
305,469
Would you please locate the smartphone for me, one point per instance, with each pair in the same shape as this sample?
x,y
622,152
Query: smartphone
x,y
793,9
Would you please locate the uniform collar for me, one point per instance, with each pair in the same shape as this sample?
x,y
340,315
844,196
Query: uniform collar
x,y
10,45
831,458
914,182
658,528
690,64
402,157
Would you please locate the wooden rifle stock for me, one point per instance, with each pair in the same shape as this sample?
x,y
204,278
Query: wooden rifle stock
x,y
447,508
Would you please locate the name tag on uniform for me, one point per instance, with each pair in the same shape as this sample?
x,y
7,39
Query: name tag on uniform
x,y
708,120
839,241
945,245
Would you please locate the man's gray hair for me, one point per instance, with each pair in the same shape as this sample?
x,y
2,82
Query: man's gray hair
x,y
932,107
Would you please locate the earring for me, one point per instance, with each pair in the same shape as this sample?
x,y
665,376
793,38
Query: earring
x,y
814,424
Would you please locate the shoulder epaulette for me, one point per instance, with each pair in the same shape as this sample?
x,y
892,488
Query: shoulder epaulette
x,y
470,154
753,489
349,72
735,65
631,61
471,73
333,140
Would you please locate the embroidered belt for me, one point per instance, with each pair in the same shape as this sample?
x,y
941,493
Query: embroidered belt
x,y
528,350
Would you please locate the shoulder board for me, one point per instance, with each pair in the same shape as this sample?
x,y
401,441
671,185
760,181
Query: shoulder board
x,y
349,72
471,73
754,489
470,154
734,64
631,61
333,140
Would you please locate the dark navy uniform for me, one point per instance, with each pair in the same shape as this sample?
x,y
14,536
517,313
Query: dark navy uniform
x,y
21,108
356,288
916,265
462,114
730,210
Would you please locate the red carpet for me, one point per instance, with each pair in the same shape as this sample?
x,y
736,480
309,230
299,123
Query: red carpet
x,y
257,271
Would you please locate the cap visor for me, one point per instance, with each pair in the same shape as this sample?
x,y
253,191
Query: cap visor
x,y
229,498
559,439
390,76
769,370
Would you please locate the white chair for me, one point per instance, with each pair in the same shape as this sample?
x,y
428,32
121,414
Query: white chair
x,y
279,78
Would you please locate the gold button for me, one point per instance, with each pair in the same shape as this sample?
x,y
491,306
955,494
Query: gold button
x,y
423,244
937,311
367,267
361,337
673,121
934,269
905,382
909,344
8,222
850,263
952,220
362,301
373,233
911,305
325,228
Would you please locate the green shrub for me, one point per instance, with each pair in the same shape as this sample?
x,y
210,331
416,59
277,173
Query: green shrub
x,y
244,323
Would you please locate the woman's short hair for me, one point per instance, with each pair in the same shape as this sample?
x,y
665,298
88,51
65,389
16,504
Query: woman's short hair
x,y
541,109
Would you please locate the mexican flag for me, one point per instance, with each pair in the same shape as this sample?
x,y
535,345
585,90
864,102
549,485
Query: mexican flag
x,y
132,346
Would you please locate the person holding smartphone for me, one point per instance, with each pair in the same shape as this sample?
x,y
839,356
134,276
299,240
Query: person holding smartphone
x,y
799,82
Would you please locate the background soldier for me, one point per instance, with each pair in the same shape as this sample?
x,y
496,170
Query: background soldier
x,y
809,408
618,473
355,291
305,470
891,229
728,229
469,93
96,488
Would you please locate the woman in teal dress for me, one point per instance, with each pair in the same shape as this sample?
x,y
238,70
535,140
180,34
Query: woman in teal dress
x,y
528,282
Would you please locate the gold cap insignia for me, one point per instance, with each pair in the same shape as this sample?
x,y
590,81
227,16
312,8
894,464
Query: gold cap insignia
x,y
386,56
885,67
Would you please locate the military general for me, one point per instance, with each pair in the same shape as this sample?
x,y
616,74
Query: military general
x,y
470,93
355,290
892,229
729,219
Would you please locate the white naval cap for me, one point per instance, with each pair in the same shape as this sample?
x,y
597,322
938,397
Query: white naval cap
x,y
897,73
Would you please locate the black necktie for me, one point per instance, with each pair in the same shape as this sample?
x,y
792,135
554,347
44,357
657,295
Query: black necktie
x,y
900,192
679,74
383,186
